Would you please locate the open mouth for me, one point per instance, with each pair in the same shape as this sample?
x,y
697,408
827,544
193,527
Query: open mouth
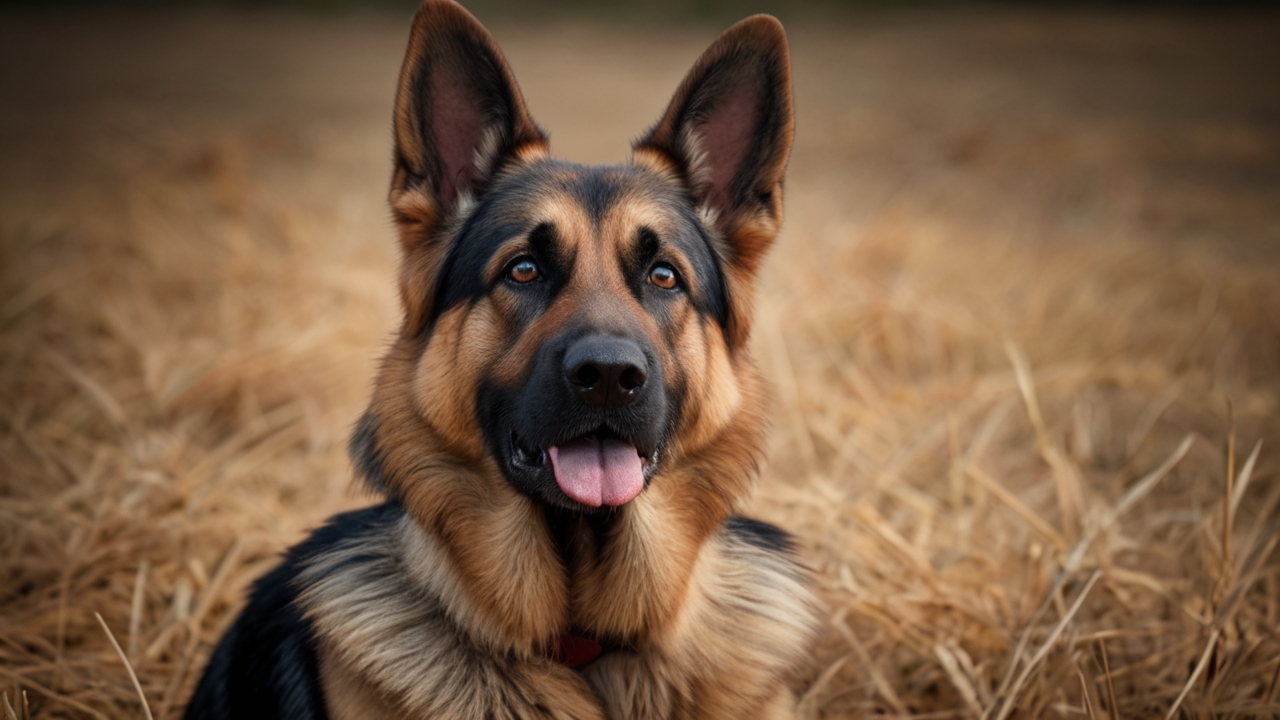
x,y
599,468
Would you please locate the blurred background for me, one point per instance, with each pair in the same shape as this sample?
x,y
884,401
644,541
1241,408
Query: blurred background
x,y
1022,330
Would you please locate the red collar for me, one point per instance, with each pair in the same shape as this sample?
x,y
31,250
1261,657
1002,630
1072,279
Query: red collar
x,y
576,651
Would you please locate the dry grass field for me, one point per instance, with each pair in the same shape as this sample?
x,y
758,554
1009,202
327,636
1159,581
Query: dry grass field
x,y
1022,333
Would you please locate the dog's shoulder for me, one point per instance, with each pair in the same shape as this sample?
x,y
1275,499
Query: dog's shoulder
x,y
752,618
759,564
753,573
266,665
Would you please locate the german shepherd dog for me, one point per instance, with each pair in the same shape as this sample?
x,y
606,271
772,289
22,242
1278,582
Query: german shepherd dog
x,y
562,430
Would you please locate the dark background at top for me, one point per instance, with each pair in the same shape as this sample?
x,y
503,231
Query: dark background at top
x,y
661,10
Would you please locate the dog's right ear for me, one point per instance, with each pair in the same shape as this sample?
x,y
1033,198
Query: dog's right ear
x,y
459,118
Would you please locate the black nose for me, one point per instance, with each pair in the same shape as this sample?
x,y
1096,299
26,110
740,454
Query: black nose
x,y
606,371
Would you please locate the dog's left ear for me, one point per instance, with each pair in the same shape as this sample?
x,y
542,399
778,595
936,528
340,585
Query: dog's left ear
x,y
727,134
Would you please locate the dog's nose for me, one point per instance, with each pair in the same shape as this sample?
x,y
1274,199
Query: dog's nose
x,y
606,371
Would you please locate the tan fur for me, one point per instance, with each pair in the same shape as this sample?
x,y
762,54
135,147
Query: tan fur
x,y
399,635
456,611
348,694
744,625
397,630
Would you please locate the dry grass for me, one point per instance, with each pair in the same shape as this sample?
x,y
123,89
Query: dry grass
x,y
1022,329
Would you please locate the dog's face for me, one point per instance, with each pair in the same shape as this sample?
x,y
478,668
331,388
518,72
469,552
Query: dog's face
x,y
585,292
577,330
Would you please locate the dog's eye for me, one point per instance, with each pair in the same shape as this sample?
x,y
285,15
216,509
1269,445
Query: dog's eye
x,y
523,270
663,275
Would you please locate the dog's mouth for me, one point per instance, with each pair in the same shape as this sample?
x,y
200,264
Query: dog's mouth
x,y
597,469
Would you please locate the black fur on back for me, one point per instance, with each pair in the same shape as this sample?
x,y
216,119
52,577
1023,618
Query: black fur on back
x,y
265,667
760,534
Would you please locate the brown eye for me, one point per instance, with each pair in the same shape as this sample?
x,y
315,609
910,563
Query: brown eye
x,y
524,270
663,275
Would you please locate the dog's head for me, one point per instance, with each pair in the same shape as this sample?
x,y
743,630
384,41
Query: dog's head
x,y
570,332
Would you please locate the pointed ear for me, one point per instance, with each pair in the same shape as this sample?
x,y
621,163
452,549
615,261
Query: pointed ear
x,y
727,134
459,119
459,116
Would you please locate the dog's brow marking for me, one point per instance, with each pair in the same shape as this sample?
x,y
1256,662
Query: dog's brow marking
x,y
647,208
573,224
637,209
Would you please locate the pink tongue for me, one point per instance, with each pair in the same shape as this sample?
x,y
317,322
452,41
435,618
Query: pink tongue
x,y
597,473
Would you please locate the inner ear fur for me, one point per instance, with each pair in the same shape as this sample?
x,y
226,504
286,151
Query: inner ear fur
x,y
459,119
726,135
